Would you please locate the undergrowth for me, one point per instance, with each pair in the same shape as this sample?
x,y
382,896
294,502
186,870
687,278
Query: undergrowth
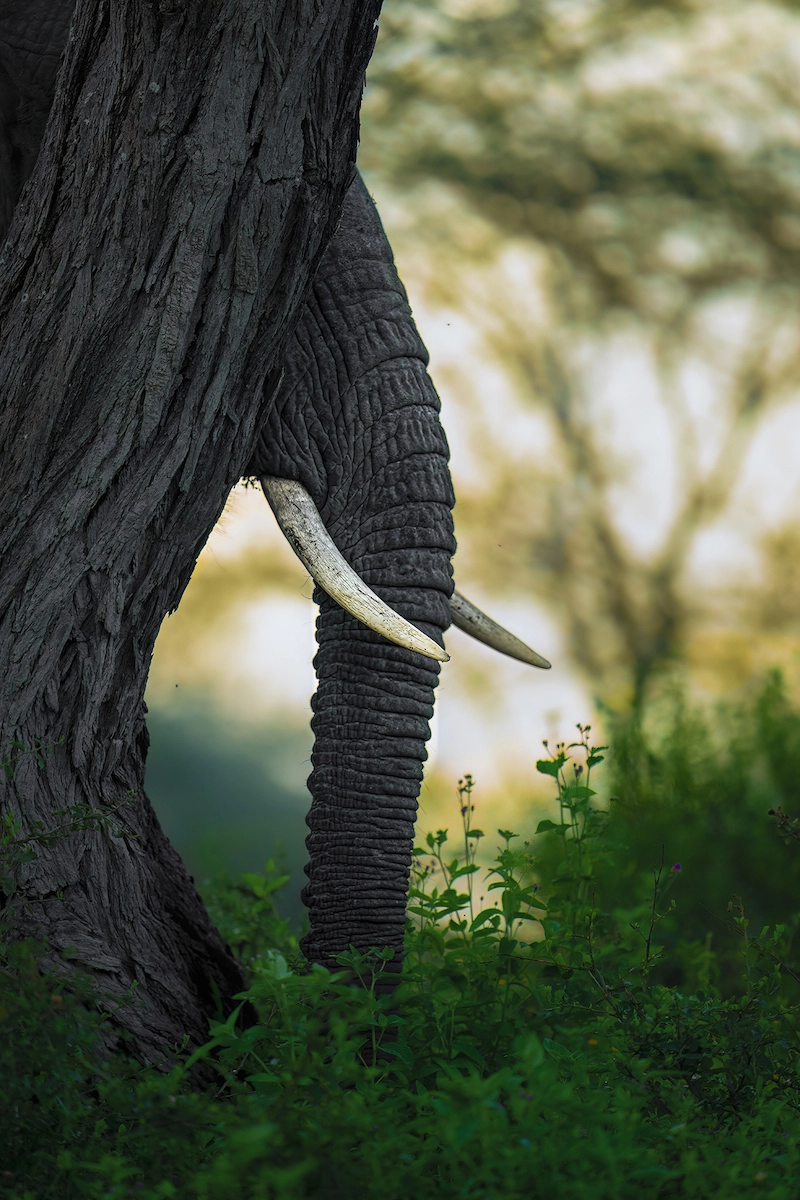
x,y
532,1047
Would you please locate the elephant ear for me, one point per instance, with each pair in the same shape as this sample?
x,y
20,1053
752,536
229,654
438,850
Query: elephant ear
x,y
32,38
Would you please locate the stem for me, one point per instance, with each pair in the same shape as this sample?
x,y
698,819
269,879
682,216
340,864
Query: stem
x,y
465,790
653,919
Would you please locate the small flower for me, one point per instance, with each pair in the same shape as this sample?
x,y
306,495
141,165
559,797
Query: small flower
x,y
676,868
591,1041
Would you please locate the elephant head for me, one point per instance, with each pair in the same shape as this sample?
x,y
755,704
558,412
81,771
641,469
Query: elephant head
x,y
353,460
355,431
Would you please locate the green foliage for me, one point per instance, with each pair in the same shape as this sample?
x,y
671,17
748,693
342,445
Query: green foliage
x,y
646,140
243,910
700,785
530,1048
605,191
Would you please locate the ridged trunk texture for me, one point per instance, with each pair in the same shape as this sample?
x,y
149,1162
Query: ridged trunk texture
x,y
191,174
357,422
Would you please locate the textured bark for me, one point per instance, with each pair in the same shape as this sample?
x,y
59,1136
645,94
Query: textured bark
x,y
357,422
191,173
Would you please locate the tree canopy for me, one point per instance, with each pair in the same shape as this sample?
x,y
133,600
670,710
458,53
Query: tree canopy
x,y
588,182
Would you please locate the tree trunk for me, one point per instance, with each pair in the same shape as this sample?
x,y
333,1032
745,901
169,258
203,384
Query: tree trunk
x,y
192,171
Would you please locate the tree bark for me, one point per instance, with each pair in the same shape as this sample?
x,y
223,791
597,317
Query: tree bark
x,y
191,174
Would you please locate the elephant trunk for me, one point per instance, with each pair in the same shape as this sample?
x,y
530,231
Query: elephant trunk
x,y
372,707
356,422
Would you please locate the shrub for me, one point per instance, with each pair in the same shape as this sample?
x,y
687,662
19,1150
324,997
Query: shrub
x,y
700,784
537,1044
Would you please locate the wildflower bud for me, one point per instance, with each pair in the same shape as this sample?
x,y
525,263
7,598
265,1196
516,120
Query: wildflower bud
x,y
677,868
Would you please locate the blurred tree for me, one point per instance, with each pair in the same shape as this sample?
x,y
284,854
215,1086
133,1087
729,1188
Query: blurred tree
x,y
588,183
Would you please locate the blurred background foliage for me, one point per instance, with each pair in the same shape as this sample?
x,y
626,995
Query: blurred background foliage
x,y
611,189
595,208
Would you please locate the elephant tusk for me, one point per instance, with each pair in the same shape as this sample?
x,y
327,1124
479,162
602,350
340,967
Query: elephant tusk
x,y
297,515
471,620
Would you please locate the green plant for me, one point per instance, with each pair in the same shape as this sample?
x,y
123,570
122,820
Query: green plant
x,y
700,782
532,1047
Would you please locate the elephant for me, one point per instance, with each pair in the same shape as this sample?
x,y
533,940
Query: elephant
x,y
353,460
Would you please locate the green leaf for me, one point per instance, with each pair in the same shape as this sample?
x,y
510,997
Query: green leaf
x,y
262,887
468,1049
546,825
469,869
550,766
578,791
485,915
557,1051
399,1050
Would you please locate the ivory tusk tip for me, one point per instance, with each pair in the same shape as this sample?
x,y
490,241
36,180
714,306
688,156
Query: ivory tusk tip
x,y
471,620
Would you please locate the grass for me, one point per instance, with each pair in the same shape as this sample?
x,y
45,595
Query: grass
x,y
557,1031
